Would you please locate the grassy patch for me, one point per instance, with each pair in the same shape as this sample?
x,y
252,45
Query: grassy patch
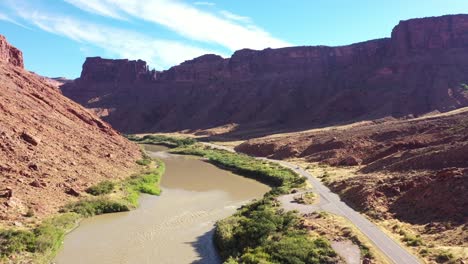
x,y
280,178
407,237
143,162
104,187
40,243
171,142
127,197
146,182
145,159
96,206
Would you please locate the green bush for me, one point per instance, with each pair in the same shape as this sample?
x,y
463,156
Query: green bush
x,y
261,233
104,187
47,238
412,241
299,248
147,182
444,257
143,162
95,206
15,241
424,252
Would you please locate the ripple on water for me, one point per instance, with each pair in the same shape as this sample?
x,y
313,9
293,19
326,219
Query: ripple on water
x,y
176,227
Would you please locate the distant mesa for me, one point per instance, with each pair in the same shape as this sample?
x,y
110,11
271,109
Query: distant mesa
x,y
102,70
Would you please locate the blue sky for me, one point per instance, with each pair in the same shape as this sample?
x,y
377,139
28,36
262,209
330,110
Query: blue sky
x,y
57,35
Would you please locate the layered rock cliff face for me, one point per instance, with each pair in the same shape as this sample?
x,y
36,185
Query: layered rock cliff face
x,y
51,149
418,70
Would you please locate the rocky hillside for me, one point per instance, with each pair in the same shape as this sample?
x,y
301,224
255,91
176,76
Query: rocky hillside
x,y
51,148
420,69
413,170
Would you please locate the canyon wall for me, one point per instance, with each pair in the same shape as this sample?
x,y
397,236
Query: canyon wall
x,y
420,69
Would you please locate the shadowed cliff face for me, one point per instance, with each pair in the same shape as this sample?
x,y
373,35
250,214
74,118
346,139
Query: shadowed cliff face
x,y
418,70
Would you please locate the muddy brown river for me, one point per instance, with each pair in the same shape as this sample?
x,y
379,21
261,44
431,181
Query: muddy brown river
x,y
176,227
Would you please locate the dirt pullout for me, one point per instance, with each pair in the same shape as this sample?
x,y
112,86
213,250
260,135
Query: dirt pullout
x,y
413,170
51,148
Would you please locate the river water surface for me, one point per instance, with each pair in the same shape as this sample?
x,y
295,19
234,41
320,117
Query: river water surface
x,y
176,227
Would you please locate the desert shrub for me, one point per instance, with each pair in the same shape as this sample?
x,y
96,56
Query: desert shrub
x,y
143,162
305,198
444,257
14,241
29,213
261,233
424,252
95,206
131,137
413,241
45,238
299,248
104,187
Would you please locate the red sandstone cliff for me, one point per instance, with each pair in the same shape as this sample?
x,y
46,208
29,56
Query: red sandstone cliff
x,y
418,70
51,148
10,54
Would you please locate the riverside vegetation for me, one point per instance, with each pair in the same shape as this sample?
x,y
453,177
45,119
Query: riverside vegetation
x,y
41,243
162,140
261,232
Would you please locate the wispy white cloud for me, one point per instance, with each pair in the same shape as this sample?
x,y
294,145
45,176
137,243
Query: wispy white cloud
x,y
204,3
190,22
126,44
97,7
235,17
8,19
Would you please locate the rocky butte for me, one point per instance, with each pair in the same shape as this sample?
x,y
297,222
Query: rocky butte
x,y
418,69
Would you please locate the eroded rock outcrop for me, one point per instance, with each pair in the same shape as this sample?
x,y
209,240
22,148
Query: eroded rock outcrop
x,y
10,54
96,69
